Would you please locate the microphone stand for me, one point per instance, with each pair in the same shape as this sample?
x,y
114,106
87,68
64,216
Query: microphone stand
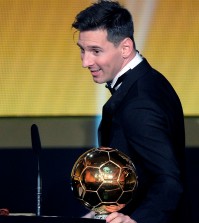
x,y
39,188
36,145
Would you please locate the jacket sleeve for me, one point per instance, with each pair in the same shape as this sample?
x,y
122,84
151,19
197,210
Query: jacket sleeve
x,y
148,132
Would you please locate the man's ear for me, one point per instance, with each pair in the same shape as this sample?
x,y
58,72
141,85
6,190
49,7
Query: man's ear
x,y
127,47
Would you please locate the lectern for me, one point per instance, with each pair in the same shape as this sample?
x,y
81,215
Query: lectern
x,y
44,219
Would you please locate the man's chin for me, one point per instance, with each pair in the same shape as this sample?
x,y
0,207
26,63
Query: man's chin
x,y
96,80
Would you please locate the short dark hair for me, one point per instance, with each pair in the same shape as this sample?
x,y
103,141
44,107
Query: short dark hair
x,y
108,15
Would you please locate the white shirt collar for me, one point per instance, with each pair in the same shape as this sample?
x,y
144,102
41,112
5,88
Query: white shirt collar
x,y
133,63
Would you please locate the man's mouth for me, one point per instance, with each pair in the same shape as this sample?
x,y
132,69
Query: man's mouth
x,y
94,72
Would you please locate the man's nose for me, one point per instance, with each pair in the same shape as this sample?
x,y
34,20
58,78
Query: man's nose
x,y
87,60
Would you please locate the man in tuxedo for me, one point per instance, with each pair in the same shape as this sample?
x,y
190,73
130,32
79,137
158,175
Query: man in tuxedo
x,y
143,118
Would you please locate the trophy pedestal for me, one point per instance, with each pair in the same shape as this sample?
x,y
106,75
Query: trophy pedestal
x,y
100,216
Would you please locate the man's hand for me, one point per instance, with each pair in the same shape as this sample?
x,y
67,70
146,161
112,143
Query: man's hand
x,y
116,217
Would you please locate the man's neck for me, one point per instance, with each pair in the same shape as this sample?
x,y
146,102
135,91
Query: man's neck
x,y
130,65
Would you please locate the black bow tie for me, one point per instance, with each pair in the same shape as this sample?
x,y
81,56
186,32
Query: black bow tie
x,y
118,82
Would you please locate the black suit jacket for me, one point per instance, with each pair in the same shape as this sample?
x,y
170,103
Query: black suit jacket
x,y
144,119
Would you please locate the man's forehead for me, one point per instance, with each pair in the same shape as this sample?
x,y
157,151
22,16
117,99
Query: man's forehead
x,y
89,44
93,36
93,39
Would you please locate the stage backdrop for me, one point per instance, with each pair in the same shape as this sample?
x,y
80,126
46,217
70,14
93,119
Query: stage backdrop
x,y
40,67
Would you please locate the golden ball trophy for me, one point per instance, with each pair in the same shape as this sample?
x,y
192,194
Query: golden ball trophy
x,y
104,180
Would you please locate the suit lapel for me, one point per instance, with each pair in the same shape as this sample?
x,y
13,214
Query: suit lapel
x,y
116,99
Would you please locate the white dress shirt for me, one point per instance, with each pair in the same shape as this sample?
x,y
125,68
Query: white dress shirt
x,y
133,63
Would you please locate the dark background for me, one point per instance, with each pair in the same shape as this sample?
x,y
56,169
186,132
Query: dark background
x,y
18,182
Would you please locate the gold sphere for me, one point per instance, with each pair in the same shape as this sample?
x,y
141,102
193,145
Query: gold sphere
x,y
104,180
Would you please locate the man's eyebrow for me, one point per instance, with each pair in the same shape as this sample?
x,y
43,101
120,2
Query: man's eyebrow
x,y
79,46
89,47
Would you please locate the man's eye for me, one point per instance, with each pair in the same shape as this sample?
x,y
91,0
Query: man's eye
x,y
96,51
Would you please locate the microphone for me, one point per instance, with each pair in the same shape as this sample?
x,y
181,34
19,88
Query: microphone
x,y
36,143
36,146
